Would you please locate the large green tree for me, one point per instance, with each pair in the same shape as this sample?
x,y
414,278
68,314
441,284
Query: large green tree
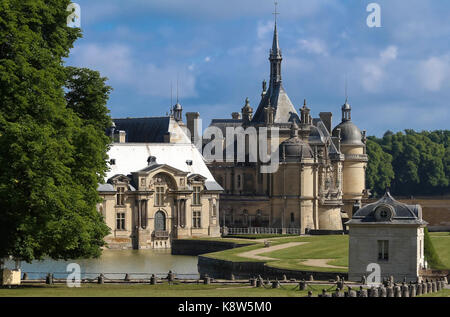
x,y
51,154
420,162
379,172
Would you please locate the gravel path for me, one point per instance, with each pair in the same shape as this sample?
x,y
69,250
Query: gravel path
x,y
320,263
254,253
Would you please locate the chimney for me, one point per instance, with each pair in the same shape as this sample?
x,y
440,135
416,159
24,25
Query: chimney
x,y
236,116
192,125
151,160
120,136
167,137
326,118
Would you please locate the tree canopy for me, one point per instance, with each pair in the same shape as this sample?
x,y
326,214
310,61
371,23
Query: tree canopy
x,y
411,163
52,142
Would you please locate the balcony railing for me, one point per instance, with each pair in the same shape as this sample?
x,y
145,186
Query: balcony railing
x,y
261,230
161,234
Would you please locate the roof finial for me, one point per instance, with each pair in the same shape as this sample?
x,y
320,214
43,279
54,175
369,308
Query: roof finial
x,y
177,85
346,87
171,96
276,12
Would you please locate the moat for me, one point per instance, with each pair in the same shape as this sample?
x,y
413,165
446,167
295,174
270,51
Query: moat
x,y
137,263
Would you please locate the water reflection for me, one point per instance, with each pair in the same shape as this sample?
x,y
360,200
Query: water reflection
x,y
115,263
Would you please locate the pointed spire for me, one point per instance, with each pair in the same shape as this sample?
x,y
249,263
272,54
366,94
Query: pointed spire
x,y
276,51
275,45
275,56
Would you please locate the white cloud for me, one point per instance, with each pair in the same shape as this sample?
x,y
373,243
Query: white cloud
x,y
207,59
264,29
374,71
434,72
389,54
116,62
314,46
113,61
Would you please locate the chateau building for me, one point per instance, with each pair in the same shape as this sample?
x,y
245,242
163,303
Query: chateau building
x,y
390,234
321,174
158,187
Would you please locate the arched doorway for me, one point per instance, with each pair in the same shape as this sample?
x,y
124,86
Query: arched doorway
x,y
160,221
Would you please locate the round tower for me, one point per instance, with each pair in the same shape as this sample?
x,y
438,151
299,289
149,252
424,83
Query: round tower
x,y
353,147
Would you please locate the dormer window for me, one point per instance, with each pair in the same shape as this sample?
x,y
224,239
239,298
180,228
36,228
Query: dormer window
x,y
112,162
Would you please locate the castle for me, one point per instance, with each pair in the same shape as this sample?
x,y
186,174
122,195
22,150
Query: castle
x,y
160,187
321,174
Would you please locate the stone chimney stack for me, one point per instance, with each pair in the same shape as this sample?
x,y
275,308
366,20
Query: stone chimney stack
x,y
326,118
192,124
120,136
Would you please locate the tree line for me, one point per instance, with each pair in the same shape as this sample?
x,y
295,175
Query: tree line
x,y
409,163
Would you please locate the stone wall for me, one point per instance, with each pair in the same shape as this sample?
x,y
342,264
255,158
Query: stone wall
x,y
197,247
241,270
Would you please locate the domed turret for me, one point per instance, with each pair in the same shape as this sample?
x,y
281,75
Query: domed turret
x,y
247,112
350,133
295,149
177,111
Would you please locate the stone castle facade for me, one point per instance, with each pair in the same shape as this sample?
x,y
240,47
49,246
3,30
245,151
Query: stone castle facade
x,y
321,174
158,187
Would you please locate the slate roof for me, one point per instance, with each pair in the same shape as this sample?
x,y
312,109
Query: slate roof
x,y
284,109
403,213
150,130
350,133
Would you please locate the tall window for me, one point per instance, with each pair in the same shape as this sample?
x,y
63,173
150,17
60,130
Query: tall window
x,y
159,196
196,219
196,196
239,181
120,221
120,196
160,221
383,250
292,217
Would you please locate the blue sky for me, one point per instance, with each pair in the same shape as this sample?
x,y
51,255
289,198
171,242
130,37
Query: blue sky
x,y
398,75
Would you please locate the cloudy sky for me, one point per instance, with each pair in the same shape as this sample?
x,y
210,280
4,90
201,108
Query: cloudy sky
x,y
398,75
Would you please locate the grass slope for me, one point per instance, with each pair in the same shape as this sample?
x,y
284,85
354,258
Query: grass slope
x,y
333,247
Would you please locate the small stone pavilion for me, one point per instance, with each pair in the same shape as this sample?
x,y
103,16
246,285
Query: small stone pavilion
x,y
390,234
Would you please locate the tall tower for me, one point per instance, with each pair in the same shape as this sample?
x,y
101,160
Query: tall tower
x,y
352,145
275,59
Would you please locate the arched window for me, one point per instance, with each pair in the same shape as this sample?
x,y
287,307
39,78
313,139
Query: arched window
x,y
160,221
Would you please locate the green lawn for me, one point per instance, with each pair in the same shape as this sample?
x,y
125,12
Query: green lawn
x,y
441,242
333,247
165,290
161,290
442,293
